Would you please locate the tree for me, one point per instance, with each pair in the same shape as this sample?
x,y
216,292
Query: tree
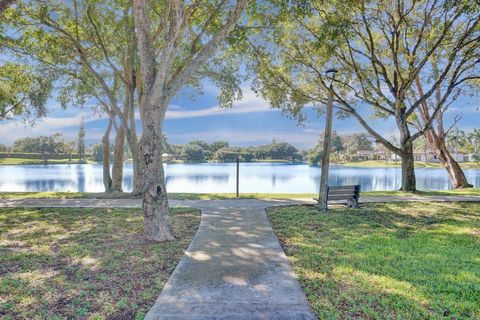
x,y
355,142
69,148
90,46
5,3
172,54
217,145
315,154
81,140
45,145
456,139
381,49
227,154
3,148
97,152
474,139
193,152
23,91
276,151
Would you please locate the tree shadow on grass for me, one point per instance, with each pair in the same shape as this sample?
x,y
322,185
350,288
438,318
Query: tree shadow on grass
x,y
385,260
78,263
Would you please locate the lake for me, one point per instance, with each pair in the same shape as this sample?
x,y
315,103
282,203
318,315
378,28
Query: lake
x,y
220,177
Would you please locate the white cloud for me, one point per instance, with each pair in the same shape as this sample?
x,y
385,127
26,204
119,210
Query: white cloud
x,y
465,109
249,104
12,130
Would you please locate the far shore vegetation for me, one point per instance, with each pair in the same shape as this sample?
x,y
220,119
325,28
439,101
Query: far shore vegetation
x,y
348,150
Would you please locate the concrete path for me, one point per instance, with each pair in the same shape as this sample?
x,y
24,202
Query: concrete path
x,y
137,203
234,268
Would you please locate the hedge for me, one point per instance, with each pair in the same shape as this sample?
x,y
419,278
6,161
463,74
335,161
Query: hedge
x,y
23,155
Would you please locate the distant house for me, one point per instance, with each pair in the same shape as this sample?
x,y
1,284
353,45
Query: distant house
x,y
365,155
470,157
167,157
430,156
427,156
460,156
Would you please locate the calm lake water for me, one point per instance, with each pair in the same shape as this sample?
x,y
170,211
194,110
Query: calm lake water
x,y
220,177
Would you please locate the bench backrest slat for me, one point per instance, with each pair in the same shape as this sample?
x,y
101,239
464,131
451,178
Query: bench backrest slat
x,y
343,193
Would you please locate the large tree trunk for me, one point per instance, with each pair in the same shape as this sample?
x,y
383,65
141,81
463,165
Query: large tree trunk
x,y
118,159
408,160
155,202
408,169
107,179
455,172
137,174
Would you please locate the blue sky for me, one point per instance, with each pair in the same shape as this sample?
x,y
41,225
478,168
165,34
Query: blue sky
x,y
250,122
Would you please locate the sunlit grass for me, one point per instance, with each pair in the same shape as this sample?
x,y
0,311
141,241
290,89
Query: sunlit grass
x,y
386,261
84,263
222,196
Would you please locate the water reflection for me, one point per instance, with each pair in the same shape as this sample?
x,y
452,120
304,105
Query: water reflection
x,y
218,177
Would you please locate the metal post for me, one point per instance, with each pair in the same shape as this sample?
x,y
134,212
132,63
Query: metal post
x,y
322,197
238,177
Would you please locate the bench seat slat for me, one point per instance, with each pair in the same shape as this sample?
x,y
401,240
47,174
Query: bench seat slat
x,y
341,197
343,192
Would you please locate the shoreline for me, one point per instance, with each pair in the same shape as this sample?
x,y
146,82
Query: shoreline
x,y
352,164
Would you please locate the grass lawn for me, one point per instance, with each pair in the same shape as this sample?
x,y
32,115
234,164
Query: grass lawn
x,y
386,261
222,196
418,164
84,263
18,161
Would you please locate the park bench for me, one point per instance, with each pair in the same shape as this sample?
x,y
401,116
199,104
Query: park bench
x,y
349,193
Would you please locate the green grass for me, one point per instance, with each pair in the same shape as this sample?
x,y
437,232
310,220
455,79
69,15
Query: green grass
x,y
22,161
418,164
385,261
222,196
456,192
84,263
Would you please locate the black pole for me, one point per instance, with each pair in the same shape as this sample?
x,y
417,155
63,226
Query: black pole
x,y
238,176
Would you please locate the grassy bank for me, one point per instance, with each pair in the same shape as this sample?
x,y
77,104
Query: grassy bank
x,y
386,261
222,196
21,161
84,263
418,164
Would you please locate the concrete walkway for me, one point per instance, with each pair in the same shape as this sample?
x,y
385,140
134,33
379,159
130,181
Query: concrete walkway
x,y
137,203
233,269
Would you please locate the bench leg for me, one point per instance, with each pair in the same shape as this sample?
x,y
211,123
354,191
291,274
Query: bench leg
x,y
353,203
356,205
